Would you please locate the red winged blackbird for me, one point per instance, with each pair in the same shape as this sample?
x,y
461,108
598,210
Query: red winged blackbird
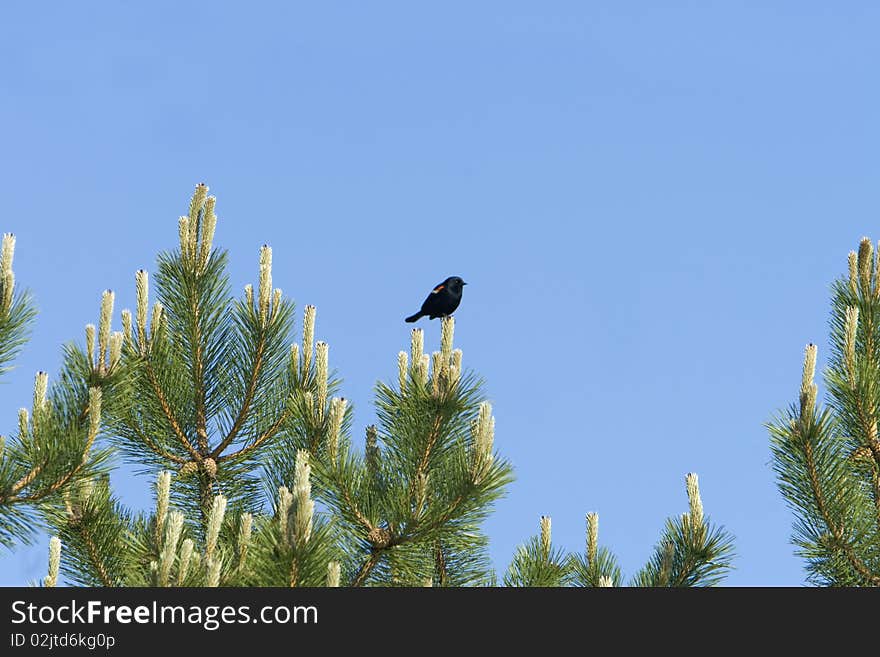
x,y
442,301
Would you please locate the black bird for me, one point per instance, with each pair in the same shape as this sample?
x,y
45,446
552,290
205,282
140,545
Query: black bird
x,y
442,301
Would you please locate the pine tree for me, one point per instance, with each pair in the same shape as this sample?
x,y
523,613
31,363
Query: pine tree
x,y
54,445
258,481
212,382
827,456
268,488
691,552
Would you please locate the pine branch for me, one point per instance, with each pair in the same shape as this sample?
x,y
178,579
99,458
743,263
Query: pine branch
x,y
169,414
430,442
537,563
827,460
94,553
198,379
836,531
52,451
597,567
369,564
245,406
267,435
158,451
94,530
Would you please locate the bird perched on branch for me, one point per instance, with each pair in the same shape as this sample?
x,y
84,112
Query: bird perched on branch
x,y
442,301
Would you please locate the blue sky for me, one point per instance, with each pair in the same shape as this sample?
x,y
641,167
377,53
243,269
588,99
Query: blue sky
x,y
649,204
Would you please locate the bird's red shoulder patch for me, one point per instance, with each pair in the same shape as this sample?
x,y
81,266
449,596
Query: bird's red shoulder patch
x,y
437,289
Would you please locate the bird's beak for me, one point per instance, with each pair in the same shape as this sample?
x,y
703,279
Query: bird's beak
x,y
463,283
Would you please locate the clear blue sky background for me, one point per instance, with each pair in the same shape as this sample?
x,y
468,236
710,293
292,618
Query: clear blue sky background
x,y
649,204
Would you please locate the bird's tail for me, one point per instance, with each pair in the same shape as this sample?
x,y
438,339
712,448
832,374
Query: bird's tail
x,y
413,318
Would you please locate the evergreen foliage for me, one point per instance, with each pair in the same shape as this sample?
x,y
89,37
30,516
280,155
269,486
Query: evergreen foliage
x,y
53,447
691,552
258,480
827,457
268,488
